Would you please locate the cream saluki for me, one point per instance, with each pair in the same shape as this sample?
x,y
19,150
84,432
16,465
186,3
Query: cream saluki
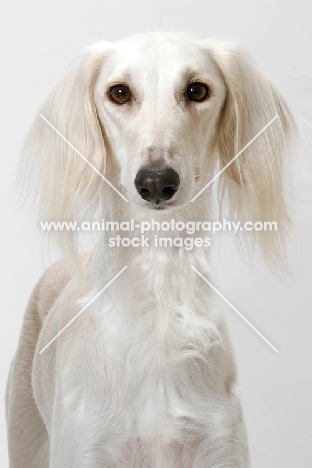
x,y
145,377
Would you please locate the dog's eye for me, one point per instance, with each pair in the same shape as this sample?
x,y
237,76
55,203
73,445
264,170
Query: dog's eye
x,y
120,94
198,92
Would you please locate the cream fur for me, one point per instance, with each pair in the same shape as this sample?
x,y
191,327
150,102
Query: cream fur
x,y
146,376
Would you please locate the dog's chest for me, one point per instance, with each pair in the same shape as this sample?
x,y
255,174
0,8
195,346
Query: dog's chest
x,y
153,334
151,331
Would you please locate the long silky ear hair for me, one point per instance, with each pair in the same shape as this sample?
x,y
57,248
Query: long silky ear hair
x,y
255,183
65,186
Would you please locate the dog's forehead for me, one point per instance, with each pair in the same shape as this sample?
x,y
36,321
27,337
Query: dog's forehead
x,y
168,54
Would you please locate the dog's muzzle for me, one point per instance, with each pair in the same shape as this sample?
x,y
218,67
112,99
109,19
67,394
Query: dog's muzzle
x,y
157,184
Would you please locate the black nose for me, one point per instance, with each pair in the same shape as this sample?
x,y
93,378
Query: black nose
x,y
156,184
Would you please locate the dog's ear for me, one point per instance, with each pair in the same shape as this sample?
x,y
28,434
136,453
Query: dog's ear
x,y
255,181
65,185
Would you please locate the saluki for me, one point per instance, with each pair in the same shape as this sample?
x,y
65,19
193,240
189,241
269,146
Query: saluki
x,y
145,376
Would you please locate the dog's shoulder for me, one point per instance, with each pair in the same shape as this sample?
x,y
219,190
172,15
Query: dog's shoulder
x,y
53,282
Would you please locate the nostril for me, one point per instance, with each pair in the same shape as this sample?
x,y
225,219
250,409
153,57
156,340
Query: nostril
x,y
144,192
168,192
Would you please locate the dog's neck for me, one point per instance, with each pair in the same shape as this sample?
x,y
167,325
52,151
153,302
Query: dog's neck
x,y
154,252
158,281
157,299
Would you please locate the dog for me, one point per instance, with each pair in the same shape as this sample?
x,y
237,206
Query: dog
x,y
145,377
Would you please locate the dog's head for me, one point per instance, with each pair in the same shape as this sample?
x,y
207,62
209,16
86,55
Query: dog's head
x,y
159,98
155,113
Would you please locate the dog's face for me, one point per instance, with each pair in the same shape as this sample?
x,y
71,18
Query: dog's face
x,y
159,101
157,114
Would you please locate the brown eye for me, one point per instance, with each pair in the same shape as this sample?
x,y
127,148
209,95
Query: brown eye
x,y
120,94
198,92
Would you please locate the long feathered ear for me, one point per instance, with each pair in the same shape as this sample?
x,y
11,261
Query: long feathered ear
x,y
64,184
255,182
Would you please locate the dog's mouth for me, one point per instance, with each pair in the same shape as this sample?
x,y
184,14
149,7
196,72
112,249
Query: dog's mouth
x,y
159,205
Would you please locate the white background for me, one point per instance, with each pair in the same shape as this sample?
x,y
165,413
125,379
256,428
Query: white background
x,y
38,40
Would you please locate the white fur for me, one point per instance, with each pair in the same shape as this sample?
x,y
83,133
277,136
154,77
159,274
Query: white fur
x,y
146,376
